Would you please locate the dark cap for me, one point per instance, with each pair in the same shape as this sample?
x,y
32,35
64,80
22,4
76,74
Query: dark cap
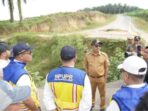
x,y
96,43
20,48
68,53
3,47
137,38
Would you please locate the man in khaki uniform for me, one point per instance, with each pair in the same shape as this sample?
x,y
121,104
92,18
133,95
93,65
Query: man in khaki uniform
x,y
96,66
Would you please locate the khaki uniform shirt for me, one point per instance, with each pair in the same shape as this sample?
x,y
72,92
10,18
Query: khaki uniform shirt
x,y
96,64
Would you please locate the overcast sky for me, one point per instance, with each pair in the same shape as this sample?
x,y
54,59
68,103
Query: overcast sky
x,y
44,7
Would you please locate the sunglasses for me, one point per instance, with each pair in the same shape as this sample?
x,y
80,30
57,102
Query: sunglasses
x,y
97,45
28,52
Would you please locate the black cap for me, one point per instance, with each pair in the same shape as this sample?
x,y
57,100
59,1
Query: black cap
x,y
68,53
3,47
20,48
137,38
96,43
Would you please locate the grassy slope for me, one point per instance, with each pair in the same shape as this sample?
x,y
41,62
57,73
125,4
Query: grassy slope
x,y
141,24
59,22
140,19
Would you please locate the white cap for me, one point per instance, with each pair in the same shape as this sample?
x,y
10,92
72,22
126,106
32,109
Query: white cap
x,y
134,65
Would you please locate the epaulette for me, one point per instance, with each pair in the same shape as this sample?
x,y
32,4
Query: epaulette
x,y
103,53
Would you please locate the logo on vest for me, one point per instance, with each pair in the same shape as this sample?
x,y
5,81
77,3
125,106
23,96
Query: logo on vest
x,y
64,77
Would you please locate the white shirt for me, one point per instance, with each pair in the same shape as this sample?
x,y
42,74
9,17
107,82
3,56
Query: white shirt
x,y
24,80
113,106
85,102
3,64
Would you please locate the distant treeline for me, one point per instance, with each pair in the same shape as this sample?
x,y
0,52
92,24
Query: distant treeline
x,y
113,8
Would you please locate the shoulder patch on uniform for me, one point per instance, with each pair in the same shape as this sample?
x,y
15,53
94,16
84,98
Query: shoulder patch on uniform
x,y
103,53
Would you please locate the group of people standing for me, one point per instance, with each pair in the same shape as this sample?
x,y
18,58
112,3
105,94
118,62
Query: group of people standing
x,y
13,71
68,88
134,46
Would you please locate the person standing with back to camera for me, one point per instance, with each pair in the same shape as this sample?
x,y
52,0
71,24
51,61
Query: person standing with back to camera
x,y
96,66
67,88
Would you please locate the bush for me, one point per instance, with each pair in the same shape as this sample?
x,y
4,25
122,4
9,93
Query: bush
x,y
58,42
115,60
46,53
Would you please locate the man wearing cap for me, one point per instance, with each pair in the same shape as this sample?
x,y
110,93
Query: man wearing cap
x,y
4,56
10,97
145,57
96,66
16,74
137,45
133,70
67,88
130,49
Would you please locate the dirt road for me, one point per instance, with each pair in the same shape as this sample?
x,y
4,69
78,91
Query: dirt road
x,y
121,28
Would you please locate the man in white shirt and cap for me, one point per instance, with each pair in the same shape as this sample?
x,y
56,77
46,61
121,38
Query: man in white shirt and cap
x,y
133,70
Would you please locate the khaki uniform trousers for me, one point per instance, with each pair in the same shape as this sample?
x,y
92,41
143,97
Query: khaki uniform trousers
x,y
100,84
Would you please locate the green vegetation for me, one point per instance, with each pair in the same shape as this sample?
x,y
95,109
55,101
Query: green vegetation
x,y
140,13
141,24
60,22
113,8
46,52
141,19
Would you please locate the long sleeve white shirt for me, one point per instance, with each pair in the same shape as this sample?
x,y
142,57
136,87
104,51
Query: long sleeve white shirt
x,y
85,102
3,64
24,80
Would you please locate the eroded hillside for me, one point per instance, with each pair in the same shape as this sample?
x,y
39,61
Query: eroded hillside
x,y
60,22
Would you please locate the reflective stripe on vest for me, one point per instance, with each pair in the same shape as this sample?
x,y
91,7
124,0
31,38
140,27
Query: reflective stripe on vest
x,y
33,96
67,98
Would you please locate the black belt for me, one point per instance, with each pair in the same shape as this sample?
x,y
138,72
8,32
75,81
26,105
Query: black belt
x,y
96,76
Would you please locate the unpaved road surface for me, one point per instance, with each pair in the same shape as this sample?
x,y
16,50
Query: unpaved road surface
x,y
121,28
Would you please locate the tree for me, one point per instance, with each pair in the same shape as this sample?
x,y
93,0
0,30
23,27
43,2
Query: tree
x,y
19,4
11,9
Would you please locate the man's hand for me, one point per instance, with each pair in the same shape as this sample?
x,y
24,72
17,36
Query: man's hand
x,y
13,107
30,104
106,76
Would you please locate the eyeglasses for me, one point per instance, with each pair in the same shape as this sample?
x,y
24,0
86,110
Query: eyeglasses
x,y
97,45
29,52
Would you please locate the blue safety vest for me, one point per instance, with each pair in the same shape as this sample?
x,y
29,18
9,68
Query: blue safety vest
x,y
67,84
127,98
13,71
